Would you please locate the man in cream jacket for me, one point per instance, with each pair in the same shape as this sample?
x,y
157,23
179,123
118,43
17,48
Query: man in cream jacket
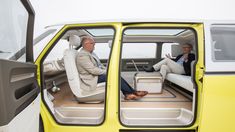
x,y
92,71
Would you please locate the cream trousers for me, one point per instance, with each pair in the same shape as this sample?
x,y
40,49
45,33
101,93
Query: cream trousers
x,y
168,66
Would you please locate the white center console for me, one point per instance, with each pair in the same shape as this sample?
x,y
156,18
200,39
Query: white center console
x,y
148,81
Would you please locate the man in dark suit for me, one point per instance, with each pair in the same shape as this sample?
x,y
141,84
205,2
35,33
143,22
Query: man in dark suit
x,y
180,65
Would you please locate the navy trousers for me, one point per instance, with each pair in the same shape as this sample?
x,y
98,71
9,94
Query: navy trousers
x,y
125,87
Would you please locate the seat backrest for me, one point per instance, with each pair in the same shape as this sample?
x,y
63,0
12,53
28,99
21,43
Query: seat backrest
x,y
71,67
192,66
110,42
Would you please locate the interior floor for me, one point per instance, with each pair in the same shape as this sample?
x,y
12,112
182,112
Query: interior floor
x,y
169,98
65,98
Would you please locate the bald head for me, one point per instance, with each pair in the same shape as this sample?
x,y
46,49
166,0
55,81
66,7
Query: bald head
x,y
88,43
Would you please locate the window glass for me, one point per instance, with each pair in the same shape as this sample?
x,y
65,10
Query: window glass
x,y
58,51
102,50
159,32
41,41
139,50
167,49
13,28
223,43
100,32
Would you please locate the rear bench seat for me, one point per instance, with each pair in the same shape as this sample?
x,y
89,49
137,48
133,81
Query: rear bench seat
x,y
182,80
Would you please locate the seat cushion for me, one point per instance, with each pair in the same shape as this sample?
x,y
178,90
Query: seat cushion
x,y
181,80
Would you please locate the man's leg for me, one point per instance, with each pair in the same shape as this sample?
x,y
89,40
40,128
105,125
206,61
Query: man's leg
x,y
101,78
125,87
164,70
174,67
159,64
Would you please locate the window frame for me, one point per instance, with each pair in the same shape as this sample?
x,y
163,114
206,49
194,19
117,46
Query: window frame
x,y
211,66
51,44
195,104
213,46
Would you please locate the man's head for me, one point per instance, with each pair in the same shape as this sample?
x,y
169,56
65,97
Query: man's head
x,y
187,48
88,43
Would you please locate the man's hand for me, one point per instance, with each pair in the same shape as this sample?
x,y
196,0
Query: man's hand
x,y
185,57
168,56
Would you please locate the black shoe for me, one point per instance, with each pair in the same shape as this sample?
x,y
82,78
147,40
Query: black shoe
x,y
148,69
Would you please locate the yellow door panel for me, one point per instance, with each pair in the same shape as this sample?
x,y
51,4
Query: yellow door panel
x,y
218,104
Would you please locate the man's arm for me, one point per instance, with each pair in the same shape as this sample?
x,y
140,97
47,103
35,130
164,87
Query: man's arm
x,y
177,58
85,62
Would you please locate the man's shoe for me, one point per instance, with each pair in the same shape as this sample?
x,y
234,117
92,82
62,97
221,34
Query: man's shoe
x,y
141,93
131,97
148,69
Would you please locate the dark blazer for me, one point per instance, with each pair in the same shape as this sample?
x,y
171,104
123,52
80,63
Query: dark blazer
x,y
187,65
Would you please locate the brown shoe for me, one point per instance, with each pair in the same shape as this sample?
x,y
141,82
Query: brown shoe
x,y
141,93
131,97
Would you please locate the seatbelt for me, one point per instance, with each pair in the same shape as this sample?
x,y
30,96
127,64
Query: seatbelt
x,y
96,58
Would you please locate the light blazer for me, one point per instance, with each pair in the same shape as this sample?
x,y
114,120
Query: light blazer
x,y
88,70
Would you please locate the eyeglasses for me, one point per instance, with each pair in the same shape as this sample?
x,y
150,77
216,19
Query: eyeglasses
x,y
91,43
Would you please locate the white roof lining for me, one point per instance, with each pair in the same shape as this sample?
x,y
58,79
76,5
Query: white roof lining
x,y
184,37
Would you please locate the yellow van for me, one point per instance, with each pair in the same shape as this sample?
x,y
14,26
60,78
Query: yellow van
x,y
203,101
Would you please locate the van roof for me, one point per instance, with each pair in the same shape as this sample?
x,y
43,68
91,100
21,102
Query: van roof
x,y
150,20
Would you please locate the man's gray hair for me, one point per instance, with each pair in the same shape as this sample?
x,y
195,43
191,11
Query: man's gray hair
x,y
83,40
190,45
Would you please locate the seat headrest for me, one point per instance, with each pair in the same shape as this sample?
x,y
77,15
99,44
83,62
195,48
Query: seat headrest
x,y
110,42
74,40
175,50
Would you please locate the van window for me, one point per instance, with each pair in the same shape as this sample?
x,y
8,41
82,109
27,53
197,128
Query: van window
x,y
58,51
13,28
223,43
139,50
102,50
167,49
41,41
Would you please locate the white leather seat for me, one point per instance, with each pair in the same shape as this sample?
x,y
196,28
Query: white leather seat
x,y
110,42
181,80
73,75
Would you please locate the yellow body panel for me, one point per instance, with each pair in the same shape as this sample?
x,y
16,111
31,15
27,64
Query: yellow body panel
x,y
111,121
218,110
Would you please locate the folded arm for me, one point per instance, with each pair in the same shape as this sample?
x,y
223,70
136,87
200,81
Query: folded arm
x,y
85,63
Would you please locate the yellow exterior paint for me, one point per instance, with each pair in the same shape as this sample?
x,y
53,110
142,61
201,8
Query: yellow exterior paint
x,y
111,121
218,110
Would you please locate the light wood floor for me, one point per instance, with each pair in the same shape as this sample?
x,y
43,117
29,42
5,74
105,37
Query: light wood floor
x,y
168,99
